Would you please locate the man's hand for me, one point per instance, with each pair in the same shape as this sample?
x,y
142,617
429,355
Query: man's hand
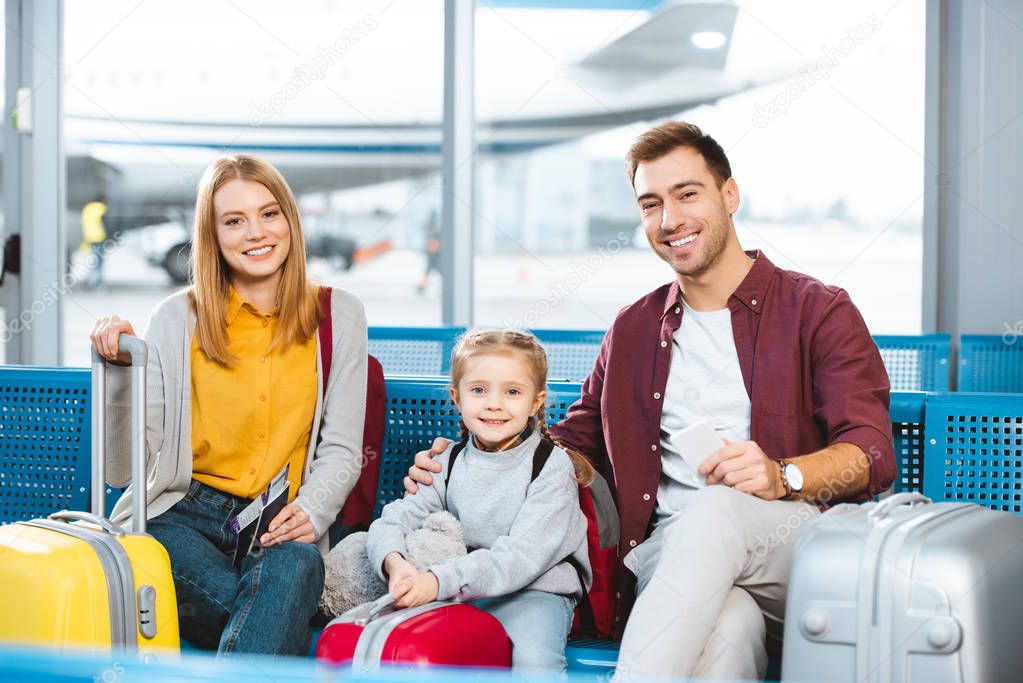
x,y
745,467
408,586
291,524
425,463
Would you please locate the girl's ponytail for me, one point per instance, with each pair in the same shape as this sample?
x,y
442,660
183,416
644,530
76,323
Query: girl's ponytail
x,y
584,472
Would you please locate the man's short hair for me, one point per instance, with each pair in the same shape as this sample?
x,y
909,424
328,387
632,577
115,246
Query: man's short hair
x,y
663,139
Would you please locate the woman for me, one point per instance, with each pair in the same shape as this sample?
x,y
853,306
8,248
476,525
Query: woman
x,y
236,395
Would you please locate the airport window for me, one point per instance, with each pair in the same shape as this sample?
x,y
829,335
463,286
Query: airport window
x,y
827,155
344,98
819,108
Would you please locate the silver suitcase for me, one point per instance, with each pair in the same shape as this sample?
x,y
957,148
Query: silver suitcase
x,y
906,590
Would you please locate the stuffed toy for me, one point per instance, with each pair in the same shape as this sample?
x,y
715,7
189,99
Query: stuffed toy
x,y
350,581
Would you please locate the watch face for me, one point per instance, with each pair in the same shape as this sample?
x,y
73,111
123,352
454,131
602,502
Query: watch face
x,y
794,476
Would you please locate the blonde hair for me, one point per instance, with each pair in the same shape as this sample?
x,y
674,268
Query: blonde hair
x,y
475,343
296,299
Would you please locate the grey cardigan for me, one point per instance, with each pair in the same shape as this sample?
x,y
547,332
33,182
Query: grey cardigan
x,y
333,461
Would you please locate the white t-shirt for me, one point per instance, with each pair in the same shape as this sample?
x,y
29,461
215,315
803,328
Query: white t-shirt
x,y
704,383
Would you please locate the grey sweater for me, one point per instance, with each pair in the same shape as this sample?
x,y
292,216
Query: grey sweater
x,y
522,532
333,461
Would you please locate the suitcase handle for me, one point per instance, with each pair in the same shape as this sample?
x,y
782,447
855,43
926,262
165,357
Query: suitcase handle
x,y
135,348
102,522
365,613
885,507
139,354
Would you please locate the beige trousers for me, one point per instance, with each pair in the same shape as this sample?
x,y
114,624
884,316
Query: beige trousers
x,y
712,581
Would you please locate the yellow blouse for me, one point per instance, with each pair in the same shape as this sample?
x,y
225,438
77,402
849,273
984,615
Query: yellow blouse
x,y
249,420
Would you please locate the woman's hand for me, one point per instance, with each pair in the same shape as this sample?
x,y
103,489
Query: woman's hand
x,y
291,524
425,463
104,337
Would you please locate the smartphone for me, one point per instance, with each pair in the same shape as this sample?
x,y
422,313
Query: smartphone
x,y
695,443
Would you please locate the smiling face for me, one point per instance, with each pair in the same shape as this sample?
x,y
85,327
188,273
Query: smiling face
x,y
686,215
253,235
496,397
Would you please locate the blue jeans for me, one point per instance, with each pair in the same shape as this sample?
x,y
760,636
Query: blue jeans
x,y
263,606
537,623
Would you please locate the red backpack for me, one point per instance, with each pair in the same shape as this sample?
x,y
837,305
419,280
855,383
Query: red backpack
x,y
595,616
357,512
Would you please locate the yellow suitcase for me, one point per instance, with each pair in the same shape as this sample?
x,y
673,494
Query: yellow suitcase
x,y
76,581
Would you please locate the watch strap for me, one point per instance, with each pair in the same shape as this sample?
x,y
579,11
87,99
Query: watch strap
x,y
784,480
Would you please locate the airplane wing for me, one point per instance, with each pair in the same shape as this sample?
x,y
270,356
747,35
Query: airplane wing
x,y
676,58
697,34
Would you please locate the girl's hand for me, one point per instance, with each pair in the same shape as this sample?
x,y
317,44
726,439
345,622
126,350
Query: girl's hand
x,y
398,571
418,590
104,337
291,524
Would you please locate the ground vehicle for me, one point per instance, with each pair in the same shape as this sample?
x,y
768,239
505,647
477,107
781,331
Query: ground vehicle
x,y
168,246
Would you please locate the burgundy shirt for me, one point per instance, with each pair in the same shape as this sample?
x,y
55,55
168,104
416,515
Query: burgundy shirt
x,y
812,371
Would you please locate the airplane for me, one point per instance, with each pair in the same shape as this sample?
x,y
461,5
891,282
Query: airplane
x,y
333,123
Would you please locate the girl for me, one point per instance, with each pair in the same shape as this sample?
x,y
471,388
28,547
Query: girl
x,y
526,534
236,394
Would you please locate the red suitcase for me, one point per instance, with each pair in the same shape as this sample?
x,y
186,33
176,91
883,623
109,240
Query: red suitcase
x,y
437,633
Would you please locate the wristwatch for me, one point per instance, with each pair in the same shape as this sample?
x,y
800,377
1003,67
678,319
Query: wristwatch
x,y
792,478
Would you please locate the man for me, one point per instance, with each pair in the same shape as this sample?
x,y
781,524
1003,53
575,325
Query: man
x,y
432,249
786,372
